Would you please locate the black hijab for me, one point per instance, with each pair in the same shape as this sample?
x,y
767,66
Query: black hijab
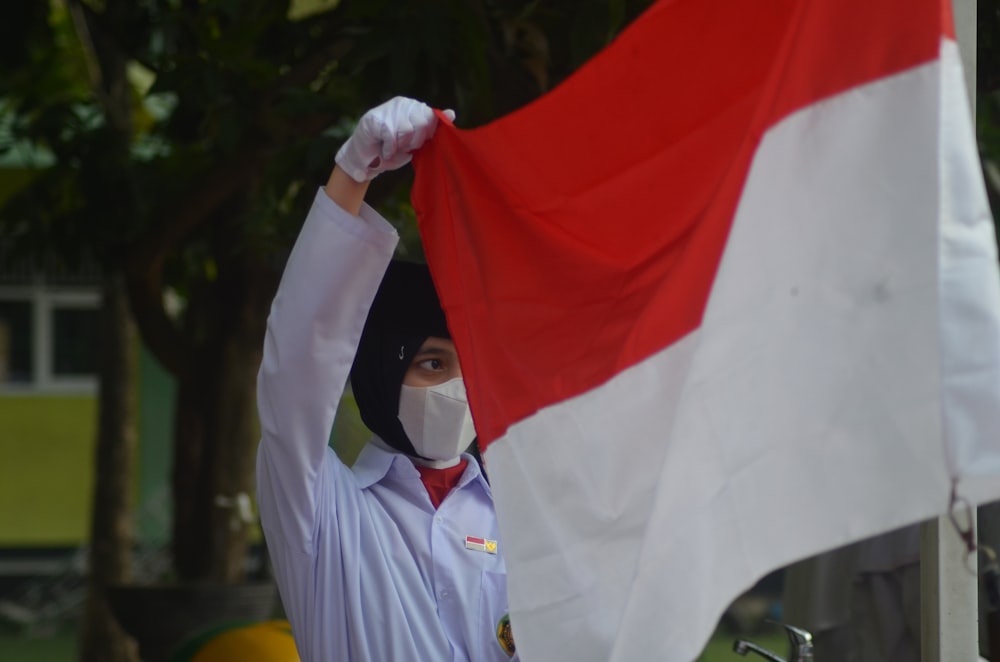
x,y
406,311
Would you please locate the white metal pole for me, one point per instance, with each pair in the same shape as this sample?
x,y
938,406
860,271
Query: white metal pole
x,y
949,624
948,590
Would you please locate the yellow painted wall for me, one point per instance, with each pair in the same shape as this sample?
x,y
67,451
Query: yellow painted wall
x,y
47,458
46,469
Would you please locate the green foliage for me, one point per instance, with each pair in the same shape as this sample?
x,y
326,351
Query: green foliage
x,y
40,56
182,141
235,77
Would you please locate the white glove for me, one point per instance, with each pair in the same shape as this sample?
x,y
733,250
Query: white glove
x,y
386,136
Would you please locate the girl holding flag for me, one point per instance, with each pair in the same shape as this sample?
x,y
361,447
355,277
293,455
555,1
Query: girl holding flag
x,y
396,557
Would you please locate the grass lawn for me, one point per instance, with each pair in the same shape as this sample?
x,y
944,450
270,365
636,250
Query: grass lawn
x,y
58,648
62,648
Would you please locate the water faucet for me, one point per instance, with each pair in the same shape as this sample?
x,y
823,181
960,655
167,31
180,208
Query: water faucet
x,y
799,639
743,647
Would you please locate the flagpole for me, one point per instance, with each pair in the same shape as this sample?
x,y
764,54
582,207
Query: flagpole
x,y
948,596
949,623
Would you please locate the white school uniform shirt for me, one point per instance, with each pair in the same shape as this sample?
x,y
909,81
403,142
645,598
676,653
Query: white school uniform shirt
x,y
366,568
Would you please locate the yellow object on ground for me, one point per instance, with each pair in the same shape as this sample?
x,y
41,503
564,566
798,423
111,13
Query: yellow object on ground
x,y
269,641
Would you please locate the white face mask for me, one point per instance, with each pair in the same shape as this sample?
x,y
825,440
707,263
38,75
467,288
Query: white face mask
x,y
437,419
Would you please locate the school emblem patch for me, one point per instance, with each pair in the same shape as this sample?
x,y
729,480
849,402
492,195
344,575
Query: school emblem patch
x,y
504,636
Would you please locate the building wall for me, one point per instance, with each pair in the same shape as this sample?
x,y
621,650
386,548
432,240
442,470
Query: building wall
x,y
155,429
46,469
47,444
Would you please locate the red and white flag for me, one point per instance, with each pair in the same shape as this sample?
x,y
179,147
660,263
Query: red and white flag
x,y
725,298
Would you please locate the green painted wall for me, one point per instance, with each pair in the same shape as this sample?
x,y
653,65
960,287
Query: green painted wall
x,y
156,409
349,433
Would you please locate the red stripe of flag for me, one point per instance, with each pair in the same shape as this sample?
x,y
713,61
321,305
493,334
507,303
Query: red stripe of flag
x,y
536,226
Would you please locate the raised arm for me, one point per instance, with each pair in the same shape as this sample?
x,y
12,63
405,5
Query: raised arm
x,y
347,193
317,317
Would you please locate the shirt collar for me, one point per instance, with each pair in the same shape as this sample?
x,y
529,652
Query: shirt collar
x,y
377,461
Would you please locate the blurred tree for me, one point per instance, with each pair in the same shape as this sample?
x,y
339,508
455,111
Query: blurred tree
x,y
190,162
111,532
73,71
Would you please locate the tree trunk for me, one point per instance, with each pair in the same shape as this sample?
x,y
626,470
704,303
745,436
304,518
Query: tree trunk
x,y
216,433
214,446
191,488
101,638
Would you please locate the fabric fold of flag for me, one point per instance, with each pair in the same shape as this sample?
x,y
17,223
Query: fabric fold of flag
x,y
725,298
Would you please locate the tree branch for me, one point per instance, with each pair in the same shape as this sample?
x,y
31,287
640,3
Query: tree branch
x,y
98,23
170,227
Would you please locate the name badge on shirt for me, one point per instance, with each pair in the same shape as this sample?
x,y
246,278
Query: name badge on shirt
x,y
481,544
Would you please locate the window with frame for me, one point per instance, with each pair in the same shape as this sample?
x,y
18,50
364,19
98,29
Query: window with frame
x,y
48,323
48,338
16,366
